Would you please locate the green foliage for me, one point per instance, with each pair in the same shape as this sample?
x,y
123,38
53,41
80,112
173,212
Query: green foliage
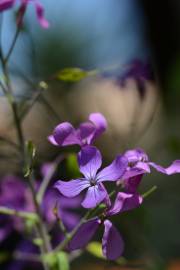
x,y
72,166
38,242
72,75
62,260
31,153
95,249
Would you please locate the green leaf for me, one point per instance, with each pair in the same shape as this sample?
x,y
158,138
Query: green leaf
x,y
50,259
71,74
30,152
38,242
95,248
63,262
72,166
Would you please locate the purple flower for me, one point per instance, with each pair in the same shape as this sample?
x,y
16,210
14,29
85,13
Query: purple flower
x,y
112,242
65,134
140,71
7,4
138,163
90,160
64,206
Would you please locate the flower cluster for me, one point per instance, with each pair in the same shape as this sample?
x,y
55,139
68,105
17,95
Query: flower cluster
x,y
7,4
126,171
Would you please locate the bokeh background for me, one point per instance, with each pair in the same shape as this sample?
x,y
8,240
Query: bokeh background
x,y
133,47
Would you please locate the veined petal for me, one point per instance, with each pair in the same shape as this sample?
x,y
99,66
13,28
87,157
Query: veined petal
x,y
84,234
64,134
71,188
40,15
100,123
124,202
94,196
114,171
172,169
6,4
112,242
90,160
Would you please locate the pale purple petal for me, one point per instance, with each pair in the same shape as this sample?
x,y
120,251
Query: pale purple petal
x,y
40,15
112,242
114,171
125,202
143,166
64,134
6,4
84,234
172,169
52,140
90,160
94,196
136,155
131,184
72,188
100,123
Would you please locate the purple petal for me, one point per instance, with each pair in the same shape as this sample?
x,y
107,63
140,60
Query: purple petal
x,y
114,171
90,160
52,140
64,134
100,123
84,234
131,184
125,202
94,196
6,4
132,172
136,155
86,131
72,188
112,242
172,169
40,15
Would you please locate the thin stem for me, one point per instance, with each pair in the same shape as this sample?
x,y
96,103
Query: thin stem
x,y
41,226
21,214
63,244
149,192
6,59
48,178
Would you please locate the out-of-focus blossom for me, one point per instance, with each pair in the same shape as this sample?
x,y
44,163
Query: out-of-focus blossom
x,y
65,134
7,4
140,71
90,160
112,242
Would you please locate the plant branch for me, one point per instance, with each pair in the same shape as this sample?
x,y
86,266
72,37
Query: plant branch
x,y
21,214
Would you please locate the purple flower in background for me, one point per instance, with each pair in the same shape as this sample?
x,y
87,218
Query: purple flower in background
x,y
112,242
7,4
90,160
14,194
138,163
64,206
65,134
140,71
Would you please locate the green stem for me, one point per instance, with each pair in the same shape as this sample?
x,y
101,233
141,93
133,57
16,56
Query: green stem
x,y
149,192
6,59
21,214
